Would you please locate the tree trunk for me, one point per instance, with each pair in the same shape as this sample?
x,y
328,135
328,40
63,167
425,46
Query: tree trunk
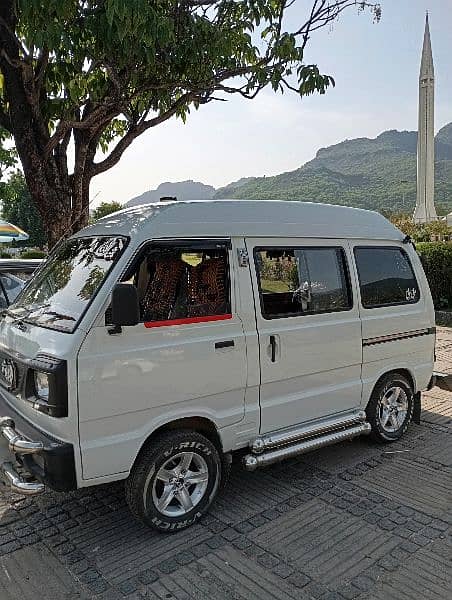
x,y
81,216
50,203
31,132
62,200
59,224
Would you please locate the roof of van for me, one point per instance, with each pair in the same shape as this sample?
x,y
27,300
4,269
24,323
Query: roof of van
x,y
261,218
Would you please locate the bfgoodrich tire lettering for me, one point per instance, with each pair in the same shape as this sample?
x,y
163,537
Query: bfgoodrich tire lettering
x,y
174,480
390,408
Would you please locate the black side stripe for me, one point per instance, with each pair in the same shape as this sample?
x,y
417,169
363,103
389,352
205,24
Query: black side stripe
x,y
393,337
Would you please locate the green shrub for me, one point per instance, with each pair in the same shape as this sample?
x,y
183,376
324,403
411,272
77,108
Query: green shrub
x,y
33,254
5,255
436,258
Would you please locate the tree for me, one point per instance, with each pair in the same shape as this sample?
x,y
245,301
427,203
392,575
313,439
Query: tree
x,y
104,209
421,232
96,72
7,158
7,155
19,209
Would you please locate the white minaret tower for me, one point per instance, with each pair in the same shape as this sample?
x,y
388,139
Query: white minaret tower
x,y
425,207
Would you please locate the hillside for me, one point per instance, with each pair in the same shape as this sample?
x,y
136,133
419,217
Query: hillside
x,y
183,190
378,173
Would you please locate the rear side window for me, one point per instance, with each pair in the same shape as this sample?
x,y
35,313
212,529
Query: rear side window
x,y
301,281
385,277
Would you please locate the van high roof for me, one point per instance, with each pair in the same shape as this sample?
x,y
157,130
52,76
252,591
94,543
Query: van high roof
x,y
259,218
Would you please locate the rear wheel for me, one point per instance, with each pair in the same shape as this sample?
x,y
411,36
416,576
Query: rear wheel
x,y
390,408
174,480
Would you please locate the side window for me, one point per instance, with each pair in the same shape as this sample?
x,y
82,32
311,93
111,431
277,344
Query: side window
x,y
385,277
299,281
3,299
182,283
24,274
12,284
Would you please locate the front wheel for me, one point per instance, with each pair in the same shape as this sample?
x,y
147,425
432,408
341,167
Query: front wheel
x,y
390,408
174,480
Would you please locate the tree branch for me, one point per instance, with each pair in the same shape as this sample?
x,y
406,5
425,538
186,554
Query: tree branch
x,y
137,129
199,3
94,118
13,38
41,65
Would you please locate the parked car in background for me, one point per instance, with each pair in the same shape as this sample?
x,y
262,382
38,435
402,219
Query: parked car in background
x,y
14,274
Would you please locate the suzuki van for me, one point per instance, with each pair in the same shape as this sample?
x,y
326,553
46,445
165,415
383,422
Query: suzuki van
x,y
159,342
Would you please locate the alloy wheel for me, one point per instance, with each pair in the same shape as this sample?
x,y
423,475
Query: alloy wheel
x,y
180,484
392,409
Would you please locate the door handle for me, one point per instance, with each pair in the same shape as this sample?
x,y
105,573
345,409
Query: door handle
x,y
225,344
273,348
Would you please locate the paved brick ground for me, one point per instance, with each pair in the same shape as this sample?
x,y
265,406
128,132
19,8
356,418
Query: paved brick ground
x,y
350,521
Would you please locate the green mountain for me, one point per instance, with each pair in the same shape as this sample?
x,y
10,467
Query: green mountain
x,y
378,174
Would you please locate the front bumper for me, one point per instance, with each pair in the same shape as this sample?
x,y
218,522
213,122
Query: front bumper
x,y
31,459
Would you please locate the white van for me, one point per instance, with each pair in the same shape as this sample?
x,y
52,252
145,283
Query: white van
x,y
154,344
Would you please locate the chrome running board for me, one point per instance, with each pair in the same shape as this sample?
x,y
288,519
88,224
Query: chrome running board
x,y
272,448
291,436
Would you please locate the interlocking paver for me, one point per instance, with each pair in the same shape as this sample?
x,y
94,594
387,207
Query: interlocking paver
x,y
34,572
355,521
423,575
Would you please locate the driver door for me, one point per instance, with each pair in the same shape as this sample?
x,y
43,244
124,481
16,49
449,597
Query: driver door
x,y
186,358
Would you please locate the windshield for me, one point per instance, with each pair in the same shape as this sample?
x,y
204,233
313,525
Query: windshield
x,y
62,290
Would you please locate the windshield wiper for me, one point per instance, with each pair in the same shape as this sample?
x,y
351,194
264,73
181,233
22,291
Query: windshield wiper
x,y
52,317
57,316
10,313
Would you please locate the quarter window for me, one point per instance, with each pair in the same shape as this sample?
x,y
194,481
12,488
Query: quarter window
x,y
301,281
3,299
385,277
12,284
182,283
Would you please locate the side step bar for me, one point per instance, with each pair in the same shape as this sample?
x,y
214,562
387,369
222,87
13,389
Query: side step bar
x,y
272,448
442,380
291,436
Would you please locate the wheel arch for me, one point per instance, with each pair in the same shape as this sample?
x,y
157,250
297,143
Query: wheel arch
x,y
406,373
385,381
201,425
400,371
416,394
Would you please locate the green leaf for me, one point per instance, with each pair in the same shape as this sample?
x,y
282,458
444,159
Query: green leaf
x,y
131,60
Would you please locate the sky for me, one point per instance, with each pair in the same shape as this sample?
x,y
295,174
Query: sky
x,y
376,69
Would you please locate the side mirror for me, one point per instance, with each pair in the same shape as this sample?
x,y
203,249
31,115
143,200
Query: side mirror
x,y
125,307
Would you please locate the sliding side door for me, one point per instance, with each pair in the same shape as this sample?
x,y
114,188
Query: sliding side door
x,y
309,330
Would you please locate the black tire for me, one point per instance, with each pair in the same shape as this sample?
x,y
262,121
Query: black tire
x,y
374,411
143,485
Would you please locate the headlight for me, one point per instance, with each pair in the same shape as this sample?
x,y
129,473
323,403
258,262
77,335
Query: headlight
x,y
42,385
